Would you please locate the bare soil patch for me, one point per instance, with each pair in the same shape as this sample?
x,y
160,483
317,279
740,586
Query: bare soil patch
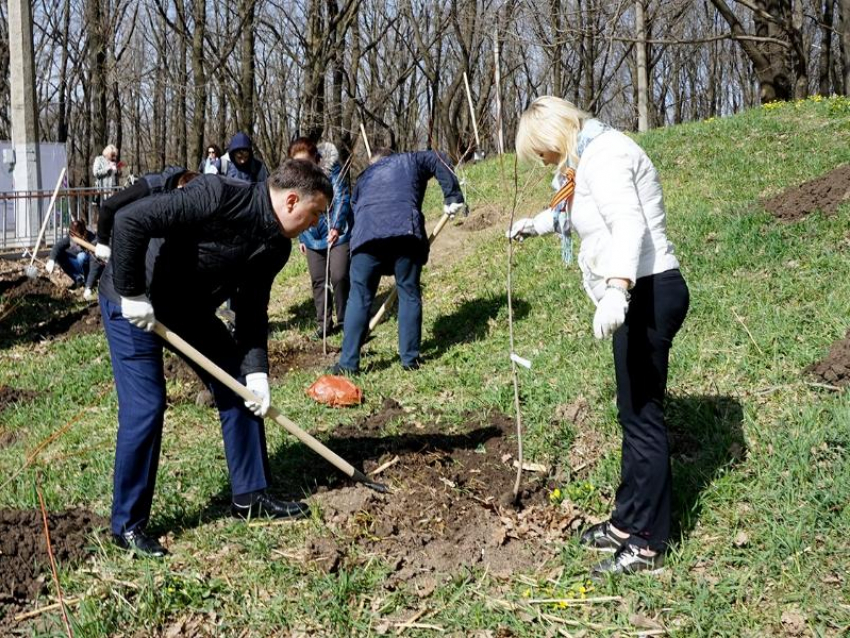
x,y
284,356
24,563
9,395
447,509
826,194
834,369
36,309
481,218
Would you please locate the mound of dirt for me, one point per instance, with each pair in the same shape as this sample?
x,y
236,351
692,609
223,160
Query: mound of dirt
x,y
24,563
88,321
26,287
446,511
826,194
481,218
834,369
35,309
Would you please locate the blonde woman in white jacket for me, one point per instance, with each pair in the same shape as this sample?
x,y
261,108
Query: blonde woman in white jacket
x,y
609,193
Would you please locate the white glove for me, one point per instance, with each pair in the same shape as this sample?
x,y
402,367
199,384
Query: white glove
x,y
541,224
610,312
87,294
49,266
258,383
138,311
453,209
102,251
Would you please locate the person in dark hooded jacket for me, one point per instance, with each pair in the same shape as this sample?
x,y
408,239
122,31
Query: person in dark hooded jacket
x,y
240,163
389,238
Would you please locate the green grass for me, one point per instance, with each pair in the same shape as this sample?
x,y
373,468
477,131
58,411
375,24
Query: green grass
x,y
772,451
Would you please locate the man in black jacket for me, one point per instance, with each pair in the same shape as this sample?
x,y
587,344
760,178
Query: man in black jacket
x,y
175,258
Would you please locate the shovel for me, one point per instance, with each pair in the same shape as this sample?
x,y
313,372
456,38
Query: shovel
x,y
390,300
31,270
273,413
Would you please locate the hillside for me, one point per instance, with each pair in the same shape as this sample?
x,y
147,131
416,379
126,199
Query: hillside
x,y
761,448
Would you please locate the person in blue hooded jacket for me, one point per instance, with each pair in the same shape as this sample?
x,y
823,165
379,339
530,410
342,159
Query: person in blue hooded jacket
x,y
389,238
240,163
333,229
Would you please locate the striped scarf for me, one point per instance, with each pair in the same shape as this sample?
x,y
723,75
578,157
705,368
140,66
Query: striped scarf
x,y
562,201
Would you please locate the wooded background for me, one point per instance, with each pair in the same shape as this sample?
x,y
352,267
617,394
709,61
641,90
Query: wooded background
x,y
161,79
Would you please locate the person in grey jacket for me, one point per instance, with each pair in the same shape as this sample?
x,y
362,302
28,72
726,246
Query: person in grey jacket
x,y
106,169
609,193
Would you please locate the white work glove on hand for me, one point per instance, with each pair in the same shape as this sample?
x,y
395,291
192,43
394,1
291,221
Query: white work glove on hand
x,y
102,251
610,312
138,311
453,209
258,383
87,294
541,224
49,266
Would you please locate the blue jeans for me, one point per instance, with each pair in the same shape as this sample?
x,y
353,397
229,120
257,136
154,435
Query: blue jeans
x,y
75,266
140,383
400,257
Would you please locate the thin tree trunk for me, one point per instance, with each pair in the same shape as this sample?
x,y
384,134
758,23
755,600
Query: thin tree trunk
x,y
642,71
825,59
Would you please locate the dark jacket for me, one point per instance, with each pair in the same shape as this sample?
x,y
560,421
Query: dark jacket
x,y
316,238
146,185
193,248
74,249
251,171
387,200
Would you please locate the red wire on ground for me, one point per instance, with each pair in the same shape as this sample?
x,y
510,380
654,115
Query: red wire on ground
x,y
53,565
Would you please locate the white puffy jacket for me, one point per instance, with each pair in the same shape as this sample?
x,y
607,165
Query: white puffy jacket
x,y
618,213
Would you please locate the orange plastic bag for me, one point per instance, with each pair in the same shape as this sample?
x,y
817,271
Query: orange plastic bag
x,y
335,391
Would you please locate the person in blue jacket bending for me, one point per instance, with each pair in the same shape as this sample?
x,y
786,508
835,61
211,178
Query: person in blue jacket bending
x,y
334,230
388,238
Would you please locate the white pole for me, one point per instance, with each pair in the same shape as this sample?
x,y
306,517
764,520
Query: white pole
x,y
365,140
472,112
501,139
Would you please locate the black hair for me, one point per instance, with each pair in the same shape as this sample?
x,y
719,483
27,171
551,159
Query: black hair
x,y
301,175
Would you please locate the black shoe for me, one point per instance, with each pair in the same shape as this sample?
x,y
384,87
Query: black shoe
x,y
337,370
136,540
413,365
628,560
601,538
264,505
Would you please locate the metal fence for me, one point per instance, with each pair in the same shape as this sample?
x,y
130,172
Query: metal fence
x,y
23,212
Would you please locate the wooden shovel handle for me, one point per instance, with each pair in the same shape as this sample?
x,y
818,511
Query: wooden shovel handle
x,y
219,374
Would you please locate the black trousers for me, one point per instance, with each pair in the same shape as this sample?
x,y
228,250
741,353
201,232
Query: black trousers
x,y
641,352
338,271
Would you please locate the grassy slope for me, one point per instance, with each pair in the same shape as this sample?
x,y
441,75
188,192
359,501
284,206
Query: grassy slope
x,y
773,471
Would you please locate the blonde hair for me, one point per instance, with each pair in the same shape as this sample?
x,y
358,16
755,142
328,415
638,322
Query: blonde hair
x,y
550,124
109,150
